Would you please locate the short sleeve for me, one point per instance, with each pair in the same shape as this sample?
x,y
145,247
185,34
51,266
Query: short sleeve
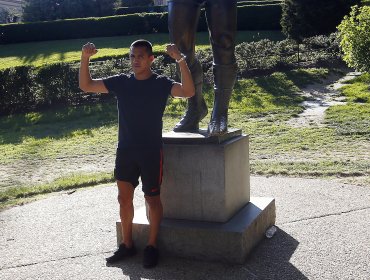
x,y
116,83
167,84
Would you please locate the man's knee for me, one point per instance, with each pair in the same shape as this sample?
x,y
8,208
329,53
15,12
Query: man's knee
x,y
154,202
124,201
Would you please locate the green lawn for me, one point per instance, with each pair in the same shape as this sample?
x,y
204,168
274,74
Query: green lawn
x,y
39,53
73,140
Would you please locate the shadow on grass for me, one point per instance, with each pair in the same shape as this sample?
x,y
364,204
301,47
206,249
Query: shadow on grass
x,y
57,123
265,95
270,94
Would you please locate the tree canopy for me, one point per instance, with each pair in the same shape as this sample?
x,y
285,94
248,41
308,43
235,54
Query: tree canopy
x,y
306,18
354,33
43,10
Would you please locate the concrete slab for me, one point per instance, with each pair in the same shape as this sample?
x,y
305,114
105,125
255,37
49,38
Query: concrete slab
x,y
227,242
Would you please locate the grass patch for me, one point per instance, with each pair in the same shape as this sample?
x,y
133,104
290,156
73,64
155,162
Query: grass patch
x,y
325,168
357,92
354,117
40,53
259,106
73,181
48,134
349,119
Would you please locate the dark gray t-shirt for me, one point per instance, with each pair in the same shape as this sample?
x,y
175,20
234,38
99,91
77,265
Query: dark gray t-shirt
x,y
141,104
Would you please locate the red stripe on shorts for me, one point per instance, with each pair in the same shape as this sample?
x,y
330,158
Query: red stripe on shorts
x,y
160,167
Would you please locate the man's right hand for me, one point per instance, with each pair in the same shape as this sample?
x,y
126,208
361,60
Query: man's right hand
x,y
86,83
88,50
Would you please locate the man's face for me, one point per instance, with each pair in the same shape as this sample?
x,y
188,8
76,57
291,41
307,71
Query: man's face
x,y
140,60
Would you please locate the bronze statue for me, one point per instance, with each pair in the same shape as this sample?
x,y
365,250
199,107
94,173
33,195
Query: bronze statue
x,y
183,16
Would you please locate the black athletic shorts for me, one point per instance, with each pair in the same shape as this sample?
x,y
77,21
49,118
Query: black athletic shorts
x,y
147,163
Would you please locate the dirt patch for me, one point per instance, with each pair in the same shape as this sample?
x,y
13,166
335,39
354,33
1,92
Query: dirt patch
x,y
319,97
35,172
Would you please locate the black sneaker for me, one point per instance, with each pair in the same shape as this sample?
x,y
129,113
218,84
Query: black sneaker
x,y
121,253
150,257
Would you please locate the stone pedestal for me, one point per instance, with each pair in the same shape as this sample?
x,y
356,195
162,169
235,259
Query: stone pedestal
x,y
208,212
205,182
229,242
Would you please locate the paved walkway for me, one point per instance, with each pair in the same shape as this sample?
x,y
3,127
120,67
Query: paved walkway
x,y
323,233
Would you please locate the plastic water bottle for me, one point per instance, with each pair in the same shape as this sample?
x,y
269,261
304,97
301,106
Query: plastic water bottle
x,y
270,232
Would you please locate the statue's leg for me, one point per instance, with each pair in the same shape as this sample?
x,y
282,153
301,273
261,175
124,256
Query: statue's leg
x,y
222,23
183,18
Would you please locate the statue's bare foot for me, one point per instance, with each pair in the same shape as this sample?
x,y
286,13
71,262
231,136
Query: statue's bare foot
x,y
190,121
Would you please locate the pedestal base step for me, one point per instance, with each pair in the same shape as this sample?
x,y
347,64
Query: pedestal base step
x,y
229,242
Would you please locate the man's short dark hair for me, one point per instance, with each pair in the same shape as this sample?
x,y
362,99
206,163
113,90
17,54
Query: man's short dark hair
x,y
144,44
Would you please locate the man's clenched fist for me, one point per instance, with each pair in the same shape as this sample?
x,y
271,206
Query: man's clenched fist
x,y
88,50
173,51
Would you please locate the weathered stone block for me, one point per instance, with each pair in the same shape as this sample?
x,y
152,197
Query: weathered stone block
x,y
229,242
206,182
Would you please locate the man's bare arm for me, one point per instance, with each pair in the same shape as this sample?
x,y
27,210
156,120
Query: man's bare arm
x,y
186,87
86,83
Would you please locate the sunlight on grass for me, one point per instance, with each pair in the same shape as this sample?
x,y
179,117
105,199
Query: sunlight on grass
x,y
357,92
354,117
40,53
259,106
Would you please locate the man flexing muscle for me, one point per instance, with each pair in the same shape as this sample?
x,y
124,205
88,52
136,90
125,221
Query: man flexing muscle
x,y
141,98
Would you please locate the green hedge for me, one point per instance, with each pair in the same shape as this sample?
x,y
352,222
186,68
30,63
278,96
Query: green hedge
x,y
258,2
264,17
26,88
83,28
161,9
145,9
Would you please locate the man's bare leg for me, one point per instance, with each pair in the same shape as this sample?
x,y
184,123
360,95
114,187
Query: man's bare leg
x,y
155,217
125,199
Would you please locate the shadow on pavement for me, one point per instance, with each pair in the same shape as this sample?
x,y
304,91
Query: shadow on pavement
x,y
269,260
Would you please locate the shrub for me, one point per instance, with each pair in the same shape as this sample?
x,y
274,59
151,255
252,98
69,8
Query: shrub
x,y
145,9
16,90
83,28
24,89
249,18
265,56
258,2
133,3
307,18
354,35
